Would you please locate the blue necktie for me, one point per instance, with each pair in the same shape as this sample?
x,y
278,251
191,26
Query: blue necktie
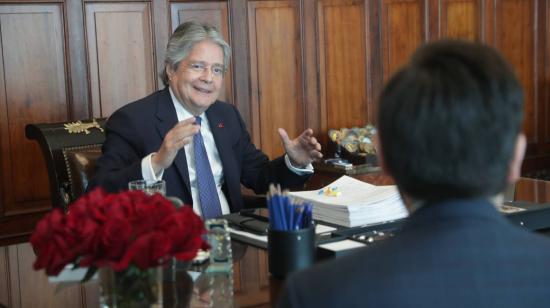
x,y
208,194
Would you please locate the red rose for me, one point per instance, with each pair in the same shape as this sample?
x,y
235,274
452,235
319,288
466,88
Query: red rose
x,y
117,230
186,231
52,243
82,226
115,238
150,213
146,251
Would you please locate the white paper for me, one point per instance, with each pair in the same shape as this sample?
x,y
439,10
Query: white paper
x,y
68,274
342,245
357,204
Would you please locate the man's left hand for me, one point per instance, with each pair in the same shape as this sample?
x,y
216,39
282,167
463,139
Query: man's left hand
x,y
303,150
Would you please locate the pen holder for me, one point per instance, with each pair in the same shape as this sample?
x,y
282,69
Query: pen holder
x,y
290,251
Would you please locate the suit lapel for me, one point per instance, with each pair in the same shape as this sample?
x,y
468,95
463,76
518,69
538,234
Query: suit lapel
x,y
221,135
167,118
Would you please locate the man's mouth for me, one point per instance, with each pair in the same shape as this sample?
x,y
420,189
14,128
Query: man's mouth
x,y
203,90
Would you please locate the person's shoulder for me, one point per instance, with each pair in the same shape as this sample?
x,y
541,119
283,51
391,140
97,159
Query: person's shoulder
x,y
139,111
221,106
226,112
143,107
333,271
146,104
333,283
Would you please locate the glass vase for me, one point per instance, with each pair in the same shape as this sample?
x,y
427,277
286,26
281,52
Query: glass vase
x,y
130,288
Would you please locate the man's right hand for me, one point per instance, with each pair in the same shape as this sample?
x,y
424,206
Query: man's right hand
x,y
177,137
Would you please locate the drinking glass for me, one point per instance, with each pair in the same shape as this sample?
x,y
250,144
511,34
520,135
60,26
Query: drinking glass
x,y
148,187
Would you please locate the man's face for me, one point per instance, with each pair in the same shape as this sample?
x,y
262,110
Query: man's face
x,y
198,79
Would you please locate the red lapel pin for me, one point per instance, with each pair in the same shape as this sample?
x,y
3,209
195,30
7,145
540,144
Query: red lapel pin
x,y
220,125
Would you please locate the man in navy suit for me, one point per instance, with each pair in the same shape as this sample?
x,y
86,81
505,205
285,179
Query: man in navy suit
x,y
449,125
157,137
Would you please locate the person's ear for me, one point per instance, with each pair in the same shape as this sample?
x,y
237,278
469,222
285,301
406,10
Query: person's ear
x,y
514,169
169,71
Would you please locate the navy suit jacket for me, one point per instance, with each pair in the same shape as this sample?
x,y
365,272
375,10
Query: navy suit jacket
x,y
137,129
451,254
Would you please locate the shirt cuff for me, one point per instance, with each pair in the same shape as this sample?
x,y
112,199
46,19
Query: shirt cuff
x,y
147,171
299,171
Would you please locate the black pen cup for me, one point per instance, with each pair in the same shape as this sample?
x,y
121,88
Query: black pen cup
x,y
290,250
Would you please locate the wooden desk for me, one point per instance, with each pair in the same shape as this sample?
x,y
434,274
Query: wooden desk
x,y
21,286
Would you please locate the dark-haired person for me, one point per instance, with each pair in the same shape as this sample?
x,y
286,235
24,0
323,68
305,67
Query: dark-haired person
x,y
197,144
449,125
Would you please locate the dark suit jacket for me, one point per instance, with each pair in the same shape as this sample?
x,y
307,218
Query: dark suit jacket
x,y
451,254
137,129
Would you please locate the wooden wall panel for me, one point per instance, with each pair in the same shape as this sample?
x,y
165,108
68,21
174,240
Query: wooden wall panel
x,y
532,190
120,54
276,72
403,29
461,19
514,35
543,78
214,13
24,287
69,297
33,88
5,286
342,64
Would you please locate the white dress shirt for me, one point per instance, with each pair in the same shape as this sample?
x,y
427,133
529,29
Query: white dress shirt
x,y
213,157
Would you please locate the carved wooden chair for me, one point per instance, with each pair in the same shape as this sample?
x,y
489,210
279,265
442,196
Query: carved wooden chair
x,y
70,151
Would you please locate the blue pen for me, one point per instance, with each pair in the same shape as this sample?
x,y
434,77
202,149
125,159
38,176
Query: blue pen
x,y
276,214
300,210
291,214
280,205
308,219
271,214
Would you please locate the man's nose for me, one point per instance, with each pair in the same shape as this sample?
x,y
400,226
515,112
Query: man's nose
x,y
207,75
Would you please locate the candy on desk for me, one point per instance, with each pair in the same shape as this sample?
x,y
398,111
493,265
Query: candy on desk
x,y
330,191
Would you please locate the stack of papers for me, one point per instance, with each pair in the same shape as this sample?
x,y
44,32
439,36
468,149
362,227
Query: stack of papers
x,y
351,203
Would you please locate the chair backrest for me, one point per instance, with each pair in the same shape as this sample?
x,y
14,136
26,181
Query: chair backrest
x,y
70,151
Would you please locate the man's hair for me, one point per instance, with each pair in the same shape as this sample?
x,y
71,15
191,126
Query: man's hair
x,y
185,37
448,122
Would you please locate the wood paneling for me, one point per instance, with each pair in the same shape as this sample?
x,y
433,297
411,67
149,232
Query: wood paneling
x,y
120,54
39,281
403,29
532,190
544,76
249,272
5,298
24,287
460,19
342,64
214,13
33,88
317,63
514,35
276,72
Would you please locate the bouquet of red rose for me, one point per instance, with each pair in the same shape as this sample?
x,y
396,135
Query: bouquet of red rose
x,y
129,228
